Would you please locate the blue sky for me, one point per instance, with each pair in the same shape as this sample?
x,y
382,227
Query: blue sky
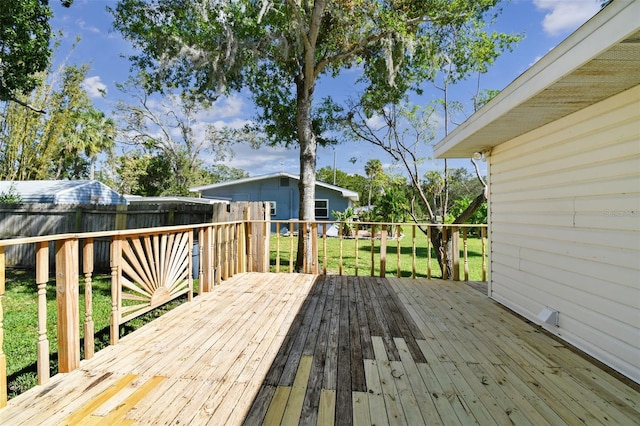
x,y
544,23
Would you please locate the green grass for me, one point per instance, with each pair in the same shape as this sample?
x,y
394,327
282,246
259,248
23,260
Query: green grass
x,y
20,306
363,262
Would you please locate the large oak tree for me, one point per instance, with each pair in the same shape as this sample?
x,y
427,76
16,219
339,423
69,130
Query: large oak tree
x,y
281,49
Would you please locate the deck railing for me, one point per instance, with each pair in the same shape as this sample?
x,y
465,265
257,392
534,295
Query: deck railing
x,y
374,248
149,267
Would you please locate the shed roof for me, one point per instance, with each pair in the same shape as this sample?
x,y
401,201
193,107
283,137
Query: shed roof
x,y
597,61
62,191
346,193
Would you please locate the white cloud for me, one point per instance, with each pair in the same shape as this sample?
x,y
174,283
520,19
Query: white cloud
x,y
94,87
566,15
85,27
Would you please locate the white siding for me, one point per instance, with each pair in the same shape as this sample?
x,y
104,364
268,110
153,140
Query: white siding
x,y
565,228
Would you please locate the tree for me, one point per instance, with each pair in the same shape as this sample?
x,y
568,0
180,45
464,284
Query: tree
x,y
24,47
61,143
173,133
279,50
407,132
373,169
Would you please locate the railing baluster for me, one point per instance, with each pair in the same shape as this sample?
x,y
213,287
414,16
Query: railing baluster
x,y
373,247
89,327
314,248
356,253
42,278
398,267
483,233
383,250
290,247
3,357
340,264
413,250
324,248
277,247
443,254
218,254
465,254
116,254
429,251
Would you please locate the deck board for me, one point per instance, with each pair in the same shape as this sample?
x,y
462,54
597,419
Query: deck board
x,y
305,349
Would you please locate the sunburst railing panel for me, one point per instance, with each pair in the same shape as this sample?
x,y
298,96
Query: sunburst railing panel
x,y
153,270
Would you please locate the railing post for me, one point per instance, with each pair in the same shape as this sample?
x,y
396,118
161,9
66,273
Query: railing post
x,y
67,301
3,357
42,277
87,269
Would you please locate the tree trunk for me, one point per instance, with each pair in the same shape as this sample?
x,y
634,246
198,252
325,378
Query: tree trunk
x,y
307,183
446,262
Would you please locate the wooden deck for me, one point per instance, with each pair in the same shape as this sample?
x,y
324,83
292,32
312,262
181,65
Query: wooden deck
x,y
304,349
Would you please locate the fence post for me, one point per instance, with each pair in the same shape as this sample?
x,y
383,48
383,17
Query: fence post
x,y
3,357
67,301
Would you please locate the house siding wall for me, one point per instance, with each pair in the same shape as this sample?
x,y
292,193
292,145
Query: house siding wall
x,y
565,228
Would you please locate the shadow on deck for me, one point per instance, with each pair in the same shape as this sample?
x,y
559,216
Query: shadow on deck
x,y
304,349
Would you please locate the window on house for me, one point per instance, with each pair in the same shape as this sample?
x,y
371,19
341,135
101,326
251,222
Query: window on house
x,y
284,181
272,207
322,209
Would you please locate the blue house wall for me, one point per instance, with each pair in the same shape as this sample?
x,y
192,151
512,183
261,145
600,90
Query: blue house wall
x,y
281,189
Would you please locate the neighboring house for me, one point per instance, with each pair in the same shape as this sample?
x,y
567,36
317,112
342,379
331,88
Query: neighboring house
x,y
62,192
562,144
281,191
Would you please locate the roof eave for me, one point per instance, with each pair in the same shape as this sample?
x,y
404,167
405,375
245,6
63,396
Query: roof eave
x,y
494,124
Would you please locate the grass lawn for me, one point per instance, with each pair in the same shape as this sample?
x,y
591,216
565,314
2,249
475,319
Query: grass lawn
x,y
363,251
